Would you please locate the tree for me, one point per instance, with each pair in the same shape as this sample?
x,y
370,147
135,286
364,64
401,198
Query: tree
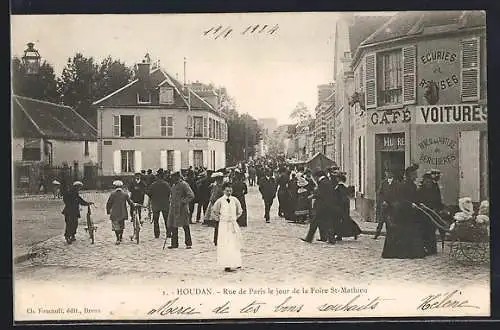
x,y
42,86
243,135
83,81
300,112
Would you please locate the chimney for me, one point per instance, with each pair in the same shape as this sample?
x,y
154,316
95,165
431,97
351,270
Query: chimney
x,y
143,72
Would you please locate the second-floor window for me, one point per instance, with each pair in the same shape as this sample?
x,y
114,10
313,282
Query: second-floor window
x,y
126,125
198,126
167,126
390,77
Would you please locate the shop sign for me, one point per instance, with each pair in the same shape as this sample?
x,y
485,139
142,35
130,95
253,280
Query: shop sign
x,y
388,117
391,142
439,150
452,114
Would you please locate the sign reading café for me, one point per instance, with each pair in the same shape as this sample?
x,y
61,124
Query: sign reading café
x,y
451,114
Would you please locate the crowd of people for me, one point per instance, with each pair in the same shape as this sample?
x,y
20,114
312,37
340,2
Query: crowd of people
x,y
320,198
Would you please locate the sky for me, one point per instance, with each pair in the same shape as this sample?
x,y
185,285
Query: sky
x,y
267,74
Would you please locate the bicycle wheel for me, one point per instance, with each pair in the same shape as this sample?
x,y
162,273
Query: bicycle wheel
x,y
137,229
91,230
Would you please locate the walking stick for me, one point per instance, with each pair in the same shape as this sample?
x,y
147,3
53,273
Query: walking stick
x,y
165,243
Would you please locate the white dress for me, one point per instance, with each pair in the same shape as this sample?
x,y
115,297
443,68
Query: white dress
x,y
229,240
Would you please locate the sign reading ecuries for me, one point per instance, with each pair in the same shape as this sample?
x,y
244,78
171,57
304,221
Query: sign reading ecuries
x,y
452,114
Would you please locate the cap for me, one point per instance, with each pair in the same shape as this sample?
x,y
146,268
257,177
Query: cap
x,y
217,175
77,183
117,183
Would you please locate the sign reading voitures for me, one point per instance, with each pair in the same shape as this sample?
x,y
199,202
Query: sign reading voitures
x,y
452,114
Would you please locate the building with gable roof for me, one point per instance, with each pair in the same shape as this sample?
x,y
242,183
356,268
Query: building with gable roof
x,y
420,97
48,135
156,122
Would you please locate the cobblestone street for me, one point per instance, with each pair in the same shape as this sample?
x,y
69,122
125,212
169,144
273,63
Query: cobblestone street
x,y
272,253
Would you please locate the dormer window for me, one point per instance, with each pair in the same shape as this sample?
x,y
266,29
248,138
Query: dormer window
x,y
144,97
166,95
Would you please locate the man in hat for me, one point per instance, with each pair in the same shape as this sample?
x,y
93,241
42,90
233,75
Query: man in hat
x,y
137,190
430,196
385,198
159,194
116,207
216,192
267,188
325,212
203,191
178,215
71,211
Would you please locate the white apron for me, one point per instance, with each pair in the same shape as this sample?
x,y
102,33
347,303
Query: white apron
x,y
229,241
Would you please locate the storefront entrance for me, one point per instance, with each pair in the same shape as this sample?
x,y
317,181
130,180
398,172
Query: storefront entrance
x,y
390,155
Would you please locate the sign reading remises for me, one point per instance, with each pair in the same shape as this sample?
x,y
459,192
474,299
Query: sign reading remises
x,y
452,114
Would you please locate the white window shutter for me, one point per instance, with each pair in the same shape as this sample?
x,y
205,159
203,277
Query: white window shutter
x,y
189,132
137,161
190,158
409,74
469,74
117,162
137,125
177,160
370,81
116,125
223,159
205,158
163,159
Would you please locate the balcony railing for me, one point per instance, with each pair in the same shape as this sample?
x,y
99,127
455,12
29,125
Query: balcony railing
x,y
390,96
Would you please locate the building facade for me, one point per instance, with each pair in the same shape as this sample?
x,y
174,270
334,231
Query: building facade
x,y
154,122
46,136
422,79
323,112
350,31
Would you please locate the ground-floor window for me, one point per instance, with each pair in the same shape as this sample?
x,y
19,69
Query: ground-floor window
x,y
170,160
198,158
127,157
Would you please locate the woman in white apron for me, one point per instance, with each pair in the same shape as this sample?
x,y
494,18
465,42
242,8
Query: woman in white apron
x,y
226,210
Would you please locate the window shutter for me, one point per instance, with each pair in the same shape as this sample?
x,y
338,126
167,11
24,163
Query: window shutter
x,y
370,81
138,160
190,158
117,162
469,55
409,74
205,158
205,127
116,125
223,159
170,128
189,132
137,125
177,160
163,159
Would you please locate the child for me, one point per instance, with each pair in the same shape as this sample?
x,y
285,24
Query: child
x,y
56,189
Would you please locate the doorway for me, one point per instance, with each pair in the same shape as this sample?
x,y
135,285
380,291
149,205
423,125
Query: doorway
x,y
393,160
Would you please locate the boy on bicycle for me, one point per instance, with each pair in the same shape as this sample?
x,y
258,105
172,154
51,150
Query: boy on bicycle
x,y
116,207
137,190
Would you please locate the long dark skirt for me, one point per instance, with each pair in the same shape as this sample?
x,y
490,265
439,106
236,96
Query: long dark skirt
x,y
242,220
283,207
429,237
404,238
348,228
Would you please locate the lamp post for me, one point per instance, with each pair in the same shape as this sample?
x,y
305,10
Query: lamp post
x,y
31,60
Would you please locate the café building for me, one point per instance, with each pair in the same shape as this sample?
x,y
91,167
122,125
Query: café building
x,y
421,78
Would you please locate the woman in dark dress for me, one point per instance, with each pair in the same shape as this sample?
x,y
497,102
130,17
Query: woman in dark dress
x,y
292,196
283,196
347,226
404,238
239,191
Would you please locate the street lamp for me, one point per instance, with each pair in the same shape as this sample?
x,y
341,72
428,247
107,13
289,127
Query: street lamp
x,y
31,60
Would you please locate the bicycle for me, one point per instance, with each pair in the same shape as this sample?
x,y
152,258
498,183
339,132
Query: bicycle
x,y
136,222
91,228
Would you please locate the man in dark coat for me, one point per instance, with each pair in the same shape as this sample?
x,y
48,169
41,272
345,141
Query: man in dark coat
x,y
385,198
159,192
178,215
203,193
430,195
267,188
345,226
324,211
71,211
137,190
251,175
